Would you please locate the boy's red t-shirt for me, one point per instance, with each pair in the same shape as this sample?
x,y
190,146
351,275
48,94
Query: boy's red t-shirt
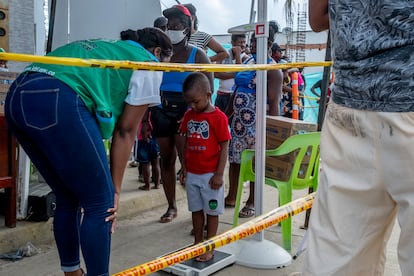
x,y
204,132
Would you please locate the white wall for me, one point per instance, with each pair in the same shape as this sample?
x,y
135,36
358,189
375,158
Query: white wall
x,y
84,19
310,54
22,30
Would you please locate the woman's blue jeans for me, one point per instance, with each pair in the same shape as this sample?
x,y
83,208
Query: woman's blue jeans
x,y
63,141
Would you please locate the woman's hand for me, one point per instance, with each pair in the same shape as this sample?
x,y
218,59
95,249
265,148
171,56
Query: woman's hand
x,y
113,213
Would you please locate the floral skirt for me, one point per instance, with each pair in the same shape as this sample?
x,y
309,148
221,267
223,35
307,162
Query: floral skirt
x,y
243,125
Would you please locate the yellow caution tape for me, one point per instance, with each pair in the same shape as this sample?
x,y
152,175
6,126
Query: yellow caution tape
x,y
310,97
156,66
242,231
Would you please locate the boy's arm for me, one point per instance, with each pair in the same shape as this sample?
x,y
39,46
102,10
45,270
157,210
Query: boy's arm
x,y
217,180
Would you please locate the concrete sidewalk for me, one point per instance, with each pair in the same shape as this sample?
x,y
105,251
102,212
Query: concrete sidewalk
x,y
140,238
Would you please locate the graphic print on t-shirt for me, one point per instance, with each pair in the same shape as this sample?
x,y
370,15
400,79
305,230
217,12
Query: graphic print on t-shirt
x,y
198,129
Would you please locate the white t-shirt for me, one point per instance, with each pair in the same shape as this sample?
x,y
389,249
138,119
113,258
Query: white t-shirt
x,y
227,85
144,88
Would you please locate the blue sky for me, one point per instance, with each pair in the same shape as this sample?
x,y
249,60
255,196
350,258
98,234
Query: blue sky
x,y
217,16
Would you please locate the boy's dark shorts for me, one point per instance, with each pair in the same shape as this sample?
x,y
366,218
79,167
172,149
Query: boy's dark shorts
x,y
147,151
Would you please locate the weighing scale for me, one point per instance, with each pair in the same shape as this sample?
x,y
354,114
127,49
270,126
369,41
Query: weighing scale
x,y
193,268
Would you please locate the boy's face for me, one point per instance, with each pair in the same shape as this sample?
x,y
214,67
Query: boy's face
x,y
197,99
241,42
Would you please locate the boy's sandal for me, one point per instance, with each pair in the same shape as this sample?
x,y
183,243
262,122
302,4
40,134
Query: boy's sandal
x,y
247,212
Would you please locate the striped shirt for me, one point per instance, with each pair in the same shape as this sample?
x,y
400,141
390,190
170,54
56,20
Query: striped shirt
x,y
200,39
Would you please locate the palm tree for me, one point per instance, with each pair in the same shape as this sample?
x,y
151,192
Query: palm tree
x,y
288,10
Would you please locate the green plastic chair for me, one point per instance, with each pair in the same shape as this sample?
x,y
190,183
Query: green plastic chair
x,y
306,145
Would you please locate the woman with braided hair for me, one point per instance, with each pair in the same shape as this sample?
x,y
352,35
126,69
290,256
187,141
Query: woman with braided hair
x,y
60,114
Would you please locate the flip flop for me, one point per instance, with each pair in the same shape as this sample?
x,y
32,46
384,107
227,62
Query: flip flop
x,y
168,216
226,205
247,212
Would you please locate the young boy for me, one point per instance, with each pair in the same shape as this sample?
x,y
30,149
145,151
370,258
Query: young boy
x,y
148,155
207,138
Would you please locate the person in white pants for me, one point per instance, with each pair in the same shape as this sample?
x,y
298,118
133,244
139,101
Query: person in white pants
x,y
367,157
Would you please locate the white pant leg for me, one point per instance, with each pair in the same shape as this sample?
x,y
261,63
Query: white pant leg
x,y
398,164
353,213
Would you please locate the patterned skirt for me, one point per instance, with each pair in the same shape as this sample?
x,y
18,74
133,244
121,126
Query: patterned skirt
x,y
243,125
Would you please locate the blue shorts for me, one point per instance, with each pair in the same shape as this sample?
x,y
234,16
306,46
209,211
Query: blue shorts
x,y
200,196
147,151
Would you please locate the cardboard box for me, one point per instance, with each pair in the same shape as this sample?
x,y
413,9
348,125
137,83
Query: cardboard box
x,y
278,129
276,167
280,170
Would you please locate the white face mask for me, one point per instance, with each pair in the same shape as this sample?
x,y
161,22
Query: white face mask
x,y
176,36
